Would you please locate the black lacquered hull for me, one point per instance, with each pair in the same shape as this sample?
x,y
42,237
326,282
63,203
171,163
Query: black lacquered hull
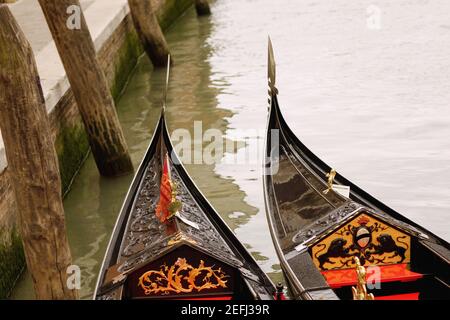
x,y
197,259
317,233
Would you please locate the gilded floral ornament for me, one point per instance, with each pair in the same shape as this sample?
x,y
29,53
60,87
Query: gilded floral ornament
x,y
182,277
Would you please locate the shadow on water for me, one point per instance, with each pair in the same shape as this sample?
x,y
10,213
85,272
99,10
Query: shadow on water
x,y
94,202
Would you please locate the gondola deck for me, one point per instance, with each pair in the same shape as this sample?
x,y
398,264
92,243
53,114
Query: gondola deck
x,y
317,232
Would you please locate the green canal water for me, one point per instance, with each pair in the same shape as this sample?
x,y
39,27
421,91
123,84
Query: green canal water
x,y
370,101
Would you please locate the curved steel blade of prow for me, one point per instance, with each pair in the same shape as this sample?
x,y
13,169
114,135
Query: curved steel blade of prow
x,y
166,88
271,66
163,150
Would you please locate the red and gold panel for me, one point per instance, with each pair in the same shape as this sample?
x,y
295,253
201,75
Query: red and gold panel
x,y
389,273
374,242
180,274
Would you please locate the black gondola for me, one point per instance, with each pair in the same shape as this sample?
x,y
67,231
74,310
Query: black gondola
x,y
193,255
318,230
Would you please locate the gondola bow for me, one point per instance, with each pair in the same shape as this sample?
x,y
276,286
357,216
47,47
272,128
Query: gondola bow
x,y
318,230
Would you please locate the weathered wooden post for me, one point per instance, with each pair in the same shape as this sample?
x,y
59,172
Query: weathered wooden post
x,y
202,7
32,164
149,31
87,80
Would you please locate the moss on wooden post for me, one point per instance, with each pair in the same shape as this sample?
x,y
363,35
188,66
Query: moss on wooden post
x,y
87,80
12,261
32,164
149,31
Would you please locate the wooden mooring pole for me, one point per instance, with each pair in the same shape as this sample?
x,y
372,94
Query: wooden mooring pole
x,y
149,31
32,164
202,7
87,80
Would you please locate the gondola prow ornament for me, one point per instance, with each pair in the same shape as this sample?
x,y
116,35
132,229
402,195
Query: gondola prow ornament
x,y
168,205
271,72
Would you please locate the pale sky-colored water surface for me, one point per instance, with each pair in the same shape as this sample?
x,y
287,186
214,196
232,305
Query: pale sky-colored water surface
x,y
371,102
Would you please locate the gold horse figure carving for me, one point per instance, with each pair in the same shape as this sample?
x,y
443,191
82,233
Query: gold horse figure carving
x,y
331,175
360,292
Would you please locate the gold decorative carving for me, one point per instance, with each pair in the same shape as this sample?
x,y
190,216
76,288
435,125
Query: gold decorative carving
x,y
360,292
330,182
180,237
182,277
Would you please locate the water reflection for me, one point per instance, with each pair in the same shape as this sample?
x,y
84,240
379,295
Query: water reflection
x,y
373,103
192,98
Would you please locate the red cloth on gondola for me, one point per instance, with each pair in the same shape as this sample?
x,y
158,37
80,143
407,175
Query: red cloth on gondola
x,y
165,193
389,273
